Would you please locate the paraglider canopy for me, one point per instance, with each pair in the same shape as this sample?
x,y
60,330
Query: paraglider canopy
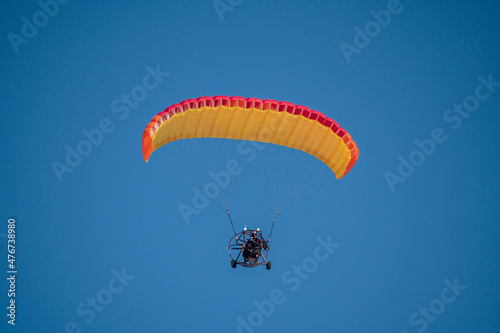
x,y
252,119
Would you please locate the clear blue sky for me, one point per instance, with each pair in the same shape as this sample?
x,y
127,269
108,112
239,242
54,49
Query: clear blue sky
x,y
104,248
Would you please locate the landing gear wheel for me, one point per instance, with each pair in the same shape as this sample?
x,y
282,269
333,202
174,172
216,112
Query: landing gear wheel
x,y
268,265
233,263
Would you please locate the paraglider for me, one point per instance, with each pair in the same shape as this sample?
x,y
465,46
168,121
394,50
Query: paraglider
x,y
249,248
252,119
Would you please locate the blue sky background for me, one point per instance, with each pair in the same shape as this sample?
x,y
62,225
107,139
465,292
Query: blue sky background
x,y
115,214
